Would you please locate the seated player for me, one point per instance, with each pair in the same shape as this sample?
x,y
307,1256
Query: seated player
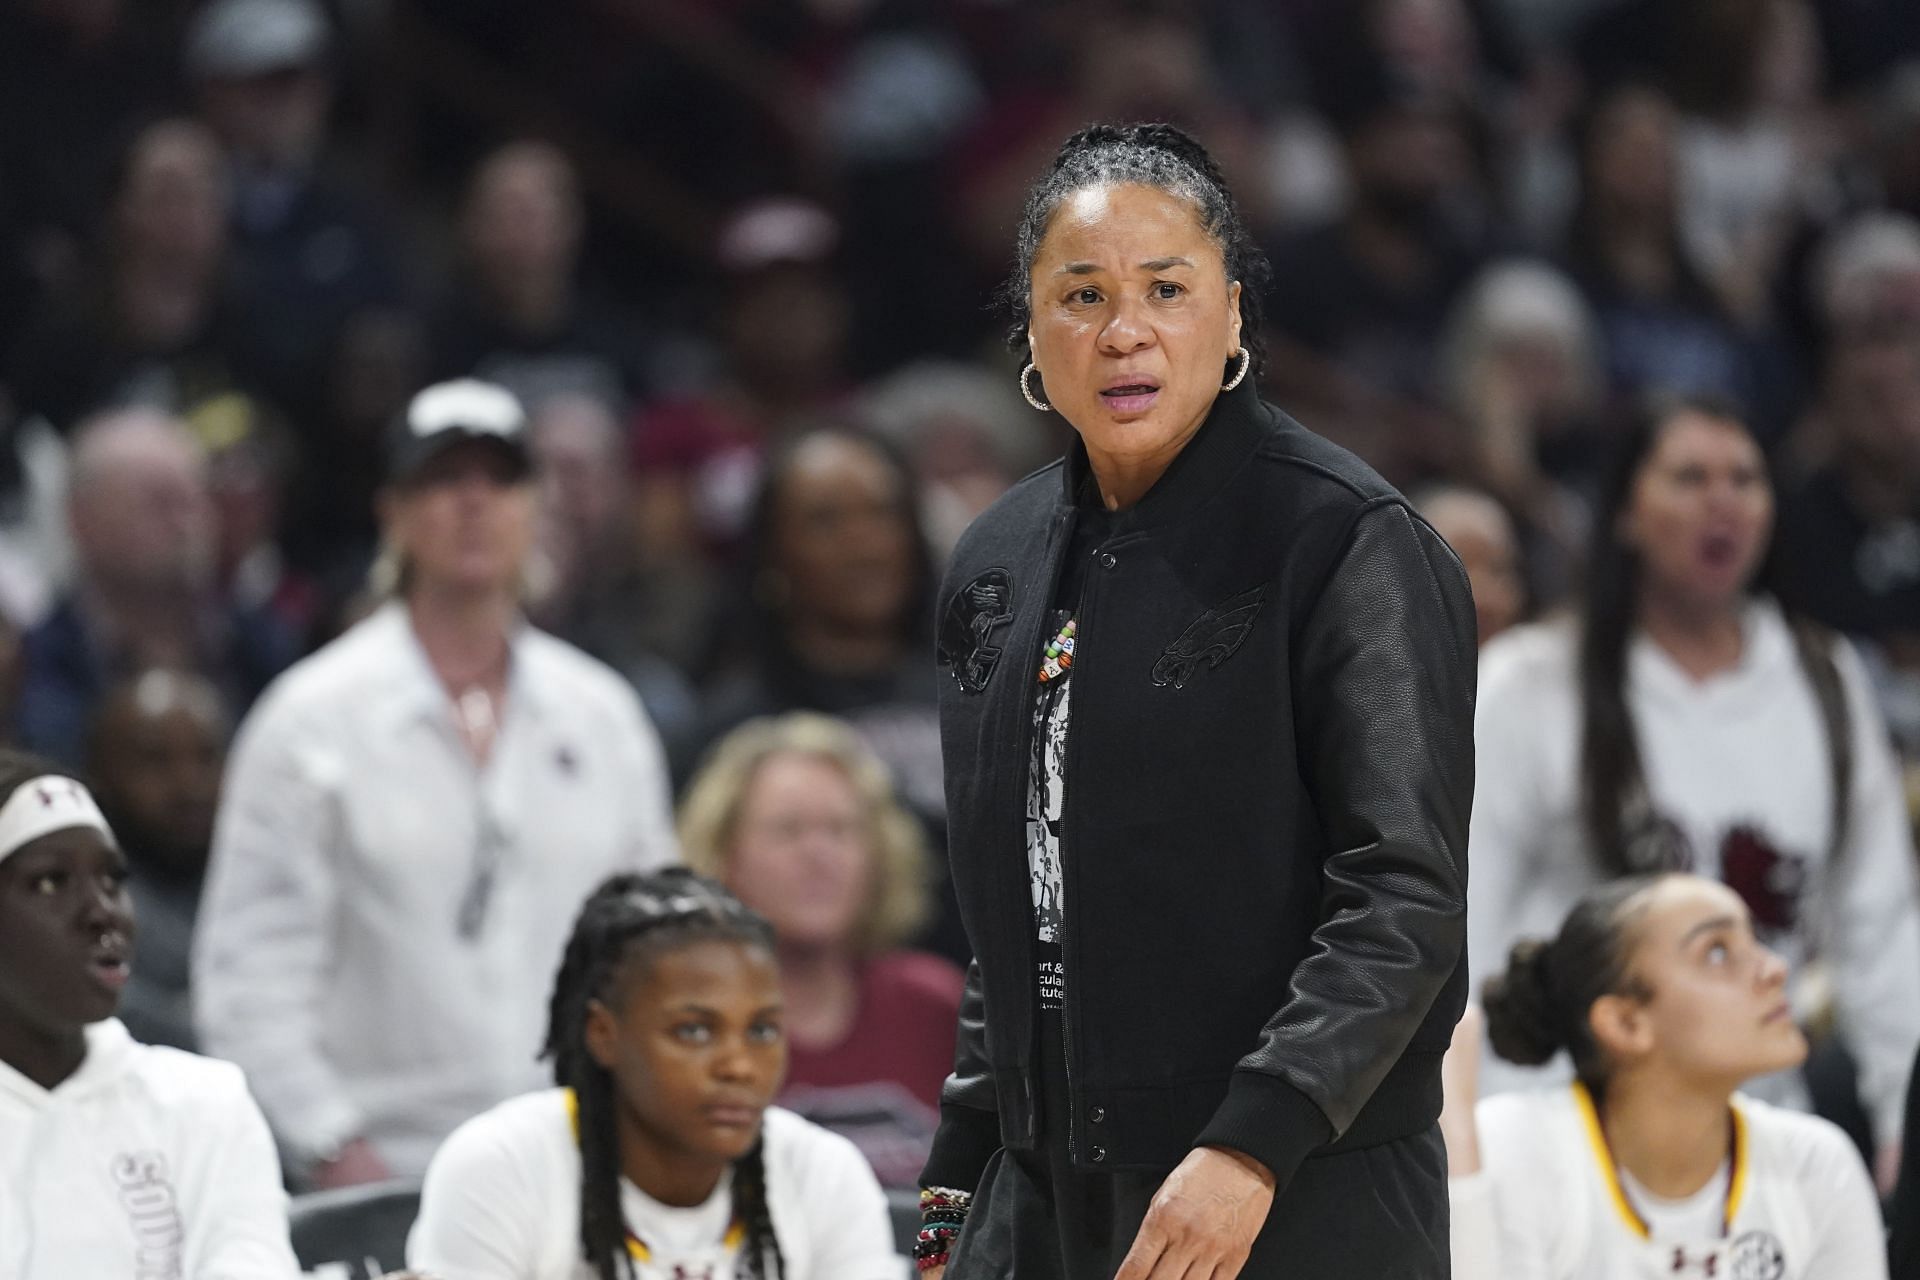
x,y
658,1156
117,1159
1650,1164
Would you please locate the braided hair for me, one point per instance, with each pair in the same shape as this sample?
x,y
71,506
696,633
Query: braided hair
x,y
627,917
1162,156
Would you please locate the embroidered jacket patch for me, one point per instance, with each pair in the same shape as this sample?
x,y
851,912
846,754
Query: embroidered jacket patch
x,y
1211,639
967,624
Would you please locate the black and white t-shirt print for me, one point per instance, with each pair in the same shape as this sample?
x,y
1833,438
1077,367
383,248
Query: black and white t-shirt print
x,y
1046,802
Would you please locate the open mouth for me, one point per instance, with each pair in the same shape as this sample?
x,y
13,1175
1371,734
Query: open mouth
x,y
110,960
1130,395
1720,550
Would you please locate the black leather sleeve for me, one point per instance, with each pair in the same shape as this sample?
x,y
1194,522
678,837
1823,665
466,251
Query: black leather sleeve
x,y
1384,667
969,1131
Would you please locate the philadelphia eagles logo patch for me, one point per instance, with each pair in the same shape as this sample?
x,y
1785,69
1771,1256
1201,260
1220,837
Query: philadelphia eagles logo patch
x,y
1212,639
968,623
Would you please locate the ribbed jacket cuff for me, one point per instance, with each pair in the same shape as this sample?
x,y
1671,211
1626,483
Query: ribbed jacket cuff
x,y
965,1141
1267,1118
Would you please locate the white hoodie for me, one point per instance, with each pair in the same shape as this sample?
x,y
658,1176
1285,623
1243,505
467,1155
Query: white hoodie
x,y
145,1164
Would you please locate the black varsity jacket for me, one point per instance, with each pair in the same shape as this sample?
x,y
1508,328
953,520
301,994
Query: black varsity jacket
x,y
1269,771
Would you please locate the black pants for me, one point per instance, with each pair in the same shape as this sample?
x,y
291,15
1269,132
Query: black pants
x,y
1375,1213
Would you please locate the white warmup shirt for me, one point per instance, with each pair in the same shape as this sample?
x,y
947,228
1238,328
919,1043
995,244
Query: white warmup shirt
x,y
1739,764
1792,1203
383,918
502,1202
145,1164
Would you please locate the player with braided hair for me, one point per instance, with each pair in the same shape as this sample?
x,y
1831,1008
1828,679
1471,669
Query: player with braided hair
x,y
657,1157
1209,762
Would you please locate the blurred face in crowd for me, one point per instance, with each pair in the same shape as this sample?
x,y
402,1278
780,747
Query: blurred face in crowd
x,y
276,120
1631,155
1710,1003
523,216
141,512
158,748
694,1041
1140,64
1133,323
786,329
380,363
171,204
1406,159
1700,512
463,522
577,452
802,851
1543,373
66,939
842,536
1478,530
1428,41
1876,401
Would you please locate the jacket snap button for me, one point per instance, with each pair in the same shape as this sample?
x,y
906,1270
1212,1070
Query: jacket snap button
x,y
1108,560
1096,1114
1098,1153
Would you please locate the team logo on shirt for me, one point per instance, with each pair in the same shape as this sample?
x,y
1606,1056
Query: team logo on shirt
x,y
1756,1255
1769,880
968,622
1212,639
1753,1255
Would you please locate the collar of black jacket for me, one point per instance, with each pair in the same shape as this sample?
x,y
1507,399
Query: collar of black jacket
x,y
1234,429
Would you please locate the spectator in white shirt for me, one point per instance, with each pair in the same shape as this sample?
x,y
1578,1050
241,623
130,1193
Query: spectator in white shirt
x,y
117,1159
410,818
1650,1164
658,1156
1683,722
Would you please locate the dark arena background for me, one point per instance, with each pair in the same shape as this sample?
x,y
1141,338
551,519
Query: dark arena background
x,y
456,451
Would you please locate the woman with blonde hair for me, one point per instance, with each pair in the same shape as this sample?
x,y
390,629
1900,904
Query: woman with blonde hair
x,y
799,819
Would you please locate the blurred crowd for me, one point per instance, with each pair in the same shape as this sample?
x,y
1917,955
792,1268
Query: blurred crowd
x,y
736,259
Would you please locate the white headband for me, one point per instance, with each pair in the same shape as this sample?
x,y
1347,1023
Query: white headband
x,y
43,806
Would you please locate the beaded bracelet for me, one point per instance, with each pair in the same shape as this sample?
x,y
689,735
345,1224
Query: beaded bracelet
x,y
943,1211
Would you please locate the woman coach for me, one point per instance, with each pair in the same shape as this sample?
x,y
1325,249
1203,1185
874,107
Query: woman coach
x,y
1208,730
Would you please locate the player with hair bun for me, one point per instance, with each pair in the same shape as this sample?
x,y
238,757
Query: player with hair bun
x,y
657,1157
1651,1163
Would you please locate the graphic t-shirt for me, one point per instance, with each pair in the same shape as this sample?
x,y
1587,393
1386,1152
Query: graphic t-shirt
x,y
1046,801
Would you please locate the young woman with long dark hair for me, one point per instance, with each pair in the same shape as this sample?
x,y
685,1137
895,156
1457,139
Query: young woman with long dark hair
x,y
657,1156
1651,1163
1683,721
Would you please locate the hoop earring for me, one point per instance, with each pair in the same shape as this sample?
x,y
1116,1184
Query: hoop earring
x,y
1027,390
1246,362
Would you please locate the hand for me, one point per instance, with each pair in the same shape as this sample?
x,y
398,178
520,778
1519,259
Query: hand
x,y
934,1273
357,1162
1203,1220
1460,1082
1886,1168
